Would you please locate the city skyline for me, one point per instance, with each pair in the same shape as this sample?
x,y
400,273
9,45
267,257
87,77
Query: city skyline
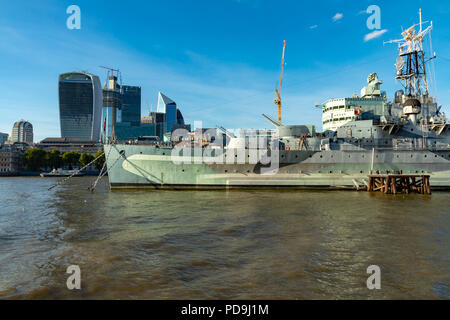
x,y
222,69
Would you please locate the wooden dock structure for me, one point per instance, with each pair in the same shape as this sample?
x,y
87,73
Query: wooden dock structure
x,y
399,183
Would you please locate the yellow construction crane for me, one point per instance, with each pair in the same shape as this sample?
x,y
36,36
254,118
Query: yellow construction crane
x,y
278,92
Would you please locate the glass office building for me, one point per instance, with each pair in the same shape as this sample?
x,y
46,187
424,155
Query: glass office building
x,y
169,108
125,131
80,105
131,105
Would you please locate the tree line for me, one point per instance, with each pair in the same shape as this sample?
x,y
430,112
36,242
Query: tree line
x,y
37,159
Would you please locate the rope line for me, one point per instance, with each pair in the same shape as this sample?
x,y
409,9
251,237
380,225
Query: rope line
x,y
75,173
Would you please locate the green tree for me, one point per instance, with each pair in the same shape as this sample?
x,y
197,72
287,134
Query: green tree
x,y
85,158
53,159
34,159
70,158
100,161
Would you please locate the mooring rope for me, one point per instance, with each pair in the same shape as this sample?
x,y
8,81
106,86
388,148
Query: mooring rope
x,y
102,174
76,172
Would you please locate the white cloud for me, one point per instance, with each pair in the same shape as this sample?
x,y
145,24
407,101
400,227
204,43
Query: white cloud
x,y
314,26
374,34
338,16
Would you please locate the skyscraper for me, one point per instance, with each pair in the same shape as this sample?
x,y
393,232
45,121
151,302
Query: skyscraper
x,y
80,105
131,105
22,132
169,108
112,106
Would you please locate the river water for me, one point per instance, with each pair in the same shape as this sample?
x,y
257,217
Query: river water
x,y
219,244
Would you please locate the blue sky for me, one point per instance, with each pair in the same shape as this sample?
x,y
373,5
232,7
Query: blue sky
x,y
218,59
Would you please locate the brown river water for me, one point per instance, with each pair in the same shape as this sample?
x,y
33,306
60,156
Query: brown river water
x,y
219,244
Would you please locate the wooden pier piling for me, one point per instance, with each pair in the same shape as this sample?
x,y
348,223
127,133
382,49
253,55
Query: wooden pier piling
x,y
399,183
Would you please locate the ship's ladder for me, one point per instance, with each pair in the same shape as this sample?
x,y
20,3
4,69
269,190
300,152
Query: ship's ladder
x,y
425,132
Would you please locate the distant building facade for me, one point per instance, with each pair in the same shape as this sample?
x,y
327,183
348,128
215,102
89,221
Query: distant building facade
x,y
22,132
3,138
10,160
112,99
70,144
125,131
131,105
80,105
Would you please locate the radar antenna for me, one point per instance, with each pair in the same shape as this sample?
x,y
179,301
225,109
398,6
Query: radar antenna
x,y
410,64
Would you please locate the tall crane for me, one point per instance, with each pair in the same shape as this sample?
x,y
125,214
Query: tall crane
x,y
278,92
111,70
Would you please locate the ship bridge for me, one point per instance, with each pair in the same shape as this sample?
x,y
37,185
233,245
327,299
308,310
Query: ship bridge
x,y
370,105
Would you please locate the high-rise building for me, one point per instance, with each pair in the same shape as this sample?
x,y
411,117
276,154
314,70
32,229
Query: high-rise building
x,y
169,108
3,137
80,105
112,106
159,119
131,105
22,132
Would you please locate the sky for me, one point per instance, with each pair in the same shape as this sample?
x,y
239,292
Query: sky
x,y
218,59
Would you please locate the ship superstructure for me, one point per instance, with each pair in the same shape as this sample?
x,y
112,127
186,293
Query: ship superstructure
x,y
362,135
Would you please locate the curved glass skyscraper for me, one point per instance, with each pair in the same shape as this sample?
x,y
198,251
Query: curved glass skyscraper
x,y
80,105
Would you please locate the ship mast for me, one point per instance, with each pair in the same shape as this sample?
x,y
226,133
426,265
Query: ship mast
x,y
410,64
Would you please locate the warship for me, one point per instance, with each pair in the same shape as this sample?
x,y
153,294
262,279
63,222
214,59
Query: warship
x,y
361,135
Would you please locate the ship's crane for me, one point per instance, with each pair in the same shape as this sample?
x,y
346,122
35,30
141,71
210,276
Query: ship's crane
x,y
278,92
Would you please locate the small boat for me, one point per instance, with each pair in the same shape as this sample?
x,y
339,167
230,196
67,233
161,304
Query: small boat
x,y
62,173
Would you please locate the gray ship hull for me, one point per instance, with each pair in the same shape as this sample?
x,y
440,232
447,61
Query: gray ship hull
x,y
144,166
